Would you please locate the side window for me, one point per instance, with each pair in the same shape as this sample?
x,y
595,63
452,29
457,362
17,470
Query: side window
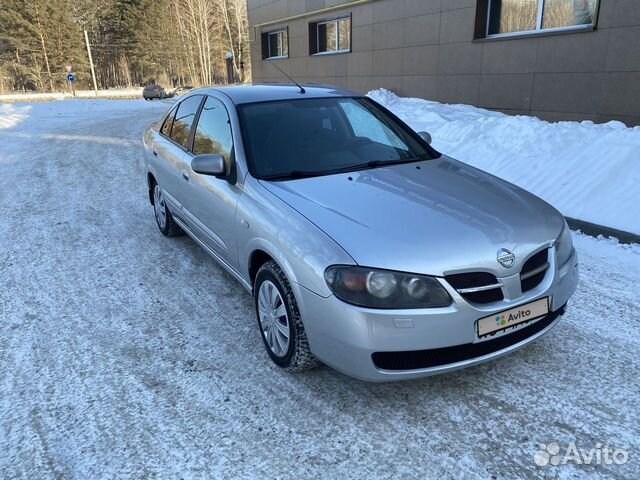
x,y
504,17
364,124
331,36
168,123
213,134
185,115
275,44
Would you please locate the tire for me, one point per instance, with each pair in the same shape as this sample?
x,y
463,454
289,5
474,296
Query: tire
x,y
164,219
296,357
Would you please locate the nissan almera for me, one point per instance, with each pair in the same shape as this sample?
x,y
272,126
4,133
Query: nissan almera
x,y
364,248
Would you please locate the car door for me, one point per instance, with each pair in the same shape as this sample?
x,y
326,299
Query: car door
x,y
173,148
211,202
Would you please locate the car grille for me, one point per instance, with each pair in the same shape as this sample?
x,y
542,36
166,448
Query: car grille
x,y
417,359
477,287
534,270
484,287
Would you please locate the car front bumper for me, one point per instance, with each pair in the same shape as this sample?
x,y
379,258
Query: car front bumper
x,y
373,345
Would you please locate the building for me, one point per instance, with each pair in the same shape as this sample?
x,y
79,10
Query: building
x,y
555,59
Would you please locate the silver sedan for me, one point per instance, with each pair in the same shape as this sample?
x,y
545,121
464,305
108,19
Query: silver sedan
x,y
363,247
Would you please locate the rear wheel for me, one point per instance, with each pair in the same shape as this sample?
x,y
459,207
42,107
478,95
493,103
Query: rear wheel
x,y
279,320
164,219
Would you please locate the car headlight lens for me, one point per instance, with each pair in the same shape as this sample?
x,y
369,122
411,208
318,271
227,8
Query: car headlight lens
x,y
374,288
564,246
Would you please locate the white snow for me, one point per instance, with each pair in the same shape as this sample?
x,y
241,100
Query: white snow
x,y
47,96
11,115
587,171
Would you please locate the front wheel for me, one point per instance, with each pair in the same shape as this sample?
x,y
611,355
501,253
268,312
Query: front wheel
x,y
279,320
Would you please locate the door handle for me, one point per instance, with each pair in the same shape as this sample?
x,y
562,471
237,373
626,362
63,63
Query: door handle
x,y
155,153
185,175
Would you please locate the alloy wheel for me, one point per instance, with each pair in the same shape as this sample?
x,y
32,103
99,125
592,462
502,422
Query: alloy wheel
x,y
274,320
160,207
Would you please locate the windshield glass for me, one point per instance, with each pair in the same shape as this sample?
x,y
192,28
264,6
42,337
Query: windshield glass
x,y
298,138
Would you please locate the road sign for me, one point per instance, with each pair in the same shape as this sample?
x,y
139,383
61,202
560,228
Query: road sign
x,y
71,78
69,68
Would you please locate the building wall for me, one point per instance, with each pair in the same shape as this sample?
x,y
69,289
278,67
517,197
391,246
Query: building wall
x,y
425,48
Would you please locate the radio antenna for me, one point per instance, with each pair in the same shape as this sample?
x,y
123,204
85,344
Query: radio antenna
x,y
302,90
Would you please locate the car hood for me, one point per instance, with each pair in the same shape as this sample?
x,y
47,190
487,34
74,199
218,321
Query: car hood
x,y
434,217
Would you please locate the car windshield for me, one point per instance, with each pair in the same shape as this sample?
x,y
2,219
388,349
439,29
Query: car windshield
x,y
321,136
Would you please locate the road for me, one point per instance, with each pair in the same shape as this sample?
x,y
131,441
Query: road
x,y
127,354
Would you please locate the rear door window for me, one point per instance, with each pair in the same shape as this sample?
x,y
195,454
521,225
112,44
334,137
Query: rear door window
x,y
186,114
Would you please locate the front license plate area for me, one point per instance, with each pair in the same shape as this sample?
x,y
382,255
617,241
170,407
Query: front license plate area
x,y
514,317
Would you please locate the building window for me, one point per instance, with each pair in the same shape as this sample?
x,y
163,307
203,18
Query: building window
x,y
275,44
512,17
331,36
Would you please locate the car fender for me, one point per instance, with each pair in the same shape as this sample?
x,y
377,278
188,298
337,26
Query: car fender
x,y
301,249
274,252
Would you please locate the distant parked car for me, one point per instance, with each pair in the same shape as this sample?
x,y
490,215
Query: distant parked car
x,y
176,92
363,246
153,91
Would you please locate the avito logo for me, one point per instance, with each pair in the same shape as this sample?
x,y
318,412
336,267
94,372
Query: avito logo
x,y
519,316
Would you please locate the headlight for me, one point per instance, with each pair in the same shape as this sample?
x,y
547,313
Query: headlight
x,y
564,246
373,288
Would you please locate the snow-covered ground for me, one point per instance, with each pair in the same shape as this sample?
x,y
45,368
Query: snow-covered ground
x,y
127,354
589,172
44,97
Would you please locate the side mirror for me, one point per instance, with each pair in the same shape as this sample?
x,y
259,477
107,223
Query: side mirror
x,y
425,136
209,164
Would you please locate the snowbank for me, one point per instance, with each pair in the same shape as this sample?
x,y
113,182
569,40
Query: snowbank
x,y
589,172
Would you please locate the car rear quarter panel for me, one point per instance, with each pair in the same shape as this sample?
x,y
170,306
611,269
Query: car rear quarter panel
x,y
147,144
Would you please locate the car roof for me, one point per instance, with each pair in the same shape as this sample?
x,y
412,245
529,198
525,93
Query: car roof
x,y
240,94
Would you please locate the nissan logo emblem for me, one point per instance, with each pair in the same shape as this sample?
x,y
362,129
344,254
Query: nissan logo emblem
x,y
506,258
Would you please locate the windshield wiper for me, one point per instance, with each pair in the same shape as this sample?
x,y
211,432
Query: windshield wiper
x,y
294,174
375,164
349,168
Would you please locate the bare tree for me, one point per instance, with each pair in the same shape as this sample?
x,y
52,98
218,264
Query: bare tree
x,y
186,43
234,19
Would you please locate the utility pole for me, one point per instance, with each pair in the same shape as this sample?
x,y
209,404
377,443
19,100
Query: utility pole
x,y
93,71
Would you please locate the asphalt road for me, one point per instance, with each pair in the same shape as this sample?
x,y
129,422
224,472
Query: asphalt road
x,y
127,354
